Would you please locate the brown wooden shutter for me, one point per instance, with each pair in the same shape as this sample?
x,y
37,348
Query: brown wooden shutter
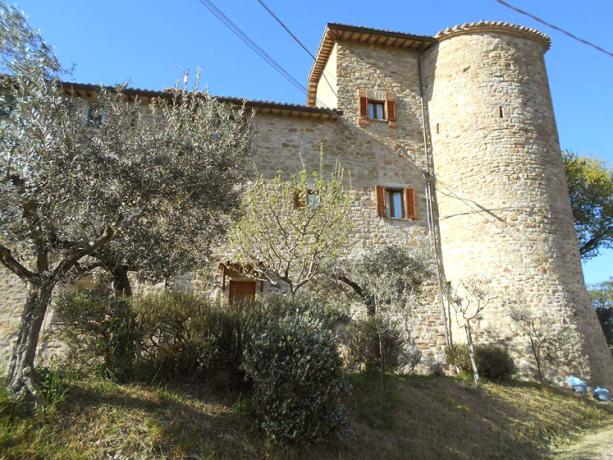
x,y
299,200
363,106
363,119
391,109
380,201
410,208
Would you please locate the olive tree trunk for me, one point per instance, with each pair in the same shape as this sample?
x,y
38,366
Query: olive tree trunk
x,y
121,282
21,377
471,353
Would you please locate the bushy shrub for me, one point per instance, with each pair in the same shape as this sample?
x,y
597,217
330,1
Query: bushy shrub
x,y
291,357
364,350
99,329
166,336
458,357
188,337
493,362
409,358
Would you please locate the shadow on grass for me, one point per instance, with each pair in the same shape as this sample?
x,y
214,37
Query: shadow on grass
x,y
438,417
179,420
423,417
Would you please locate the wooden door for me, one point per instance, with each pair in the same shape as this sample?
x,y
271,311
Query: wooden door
x,y
241,291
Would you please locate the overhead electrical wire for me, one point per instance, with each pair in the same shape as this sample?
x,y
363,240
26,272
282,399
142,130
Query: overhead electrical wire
x,y
296,39
236,30
559,29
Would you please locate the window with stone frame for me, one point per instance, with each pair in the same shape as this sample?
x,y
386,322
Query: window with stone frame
x,y
396,202
93,115
7,103
376,106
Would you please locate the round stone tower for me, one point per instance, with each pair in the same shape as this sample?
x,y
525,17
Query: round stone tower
x,y
504,211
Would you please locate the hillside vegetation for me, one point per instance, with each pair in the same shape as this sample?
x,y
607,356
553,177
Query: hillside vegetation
x,y
415,417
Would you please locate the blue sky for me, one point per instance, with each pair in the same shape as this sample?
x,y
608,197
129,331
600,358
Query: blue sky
x,y
148,42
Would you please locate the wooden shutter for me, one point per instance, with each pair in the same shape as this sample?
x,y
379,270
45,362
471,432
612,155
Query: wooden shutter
x,y
410,208
363,119
363,106
380,201
299,200
391,109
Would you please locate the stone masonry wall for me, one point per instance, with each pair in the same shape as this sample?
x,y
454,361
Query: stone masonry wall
x,y
284,144
503,200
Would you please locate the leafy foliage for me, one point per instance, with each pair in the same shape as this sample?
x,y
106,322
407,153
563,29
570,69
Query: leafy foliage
x,y
493,362
590,186
291,229
365,336
139,188
165,337
186,337
100,331
188,152
387,279
292,359
388,282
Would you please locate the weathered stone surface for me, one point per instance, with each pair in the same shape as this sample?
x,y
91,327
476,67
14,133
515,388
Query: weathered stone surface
x,y
503,201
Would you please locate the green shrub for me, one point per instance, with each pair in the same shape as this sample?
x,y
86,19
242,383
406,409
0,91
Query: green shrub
x,y
100,330
188,337
292,359
52,387
364,351
457,356
493,362
166,336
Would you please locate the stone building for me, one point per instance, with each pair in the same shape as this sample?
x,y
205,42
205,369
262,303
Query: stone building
x,y
450,142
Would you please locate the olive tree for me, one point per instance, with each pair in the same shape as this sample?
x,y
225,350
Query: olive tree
x,y
546,334
472,297
388,281
69,191
196,152
291,229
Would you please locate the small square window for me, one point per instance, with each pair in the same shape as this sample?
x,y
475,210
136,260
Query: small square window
x,y
376,110
7,102
93,116
395,203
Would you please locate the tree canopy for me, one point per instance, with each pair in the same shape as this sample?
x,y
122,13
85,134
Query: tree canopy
x,y
290,229
149,186
590,186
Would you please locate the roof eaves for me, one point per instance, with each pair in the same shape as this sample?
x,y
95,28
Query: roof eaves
x,y
262,106
335,31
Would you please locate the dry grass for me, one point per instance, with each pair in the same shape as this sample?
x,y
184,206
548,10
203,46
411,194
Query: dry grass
x,y
415,417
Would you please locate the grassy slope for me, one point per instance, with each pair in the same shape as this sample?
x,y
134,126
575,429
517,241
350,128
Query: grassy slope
x,y
417,417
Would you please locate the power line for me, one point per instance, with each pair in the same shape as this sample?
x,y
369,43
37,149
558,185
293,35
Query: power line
x,y
236,30
573,36
296,39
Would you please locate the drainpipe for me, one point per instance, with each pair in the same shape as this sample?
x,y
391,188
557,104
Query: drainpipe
x,y
432,208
